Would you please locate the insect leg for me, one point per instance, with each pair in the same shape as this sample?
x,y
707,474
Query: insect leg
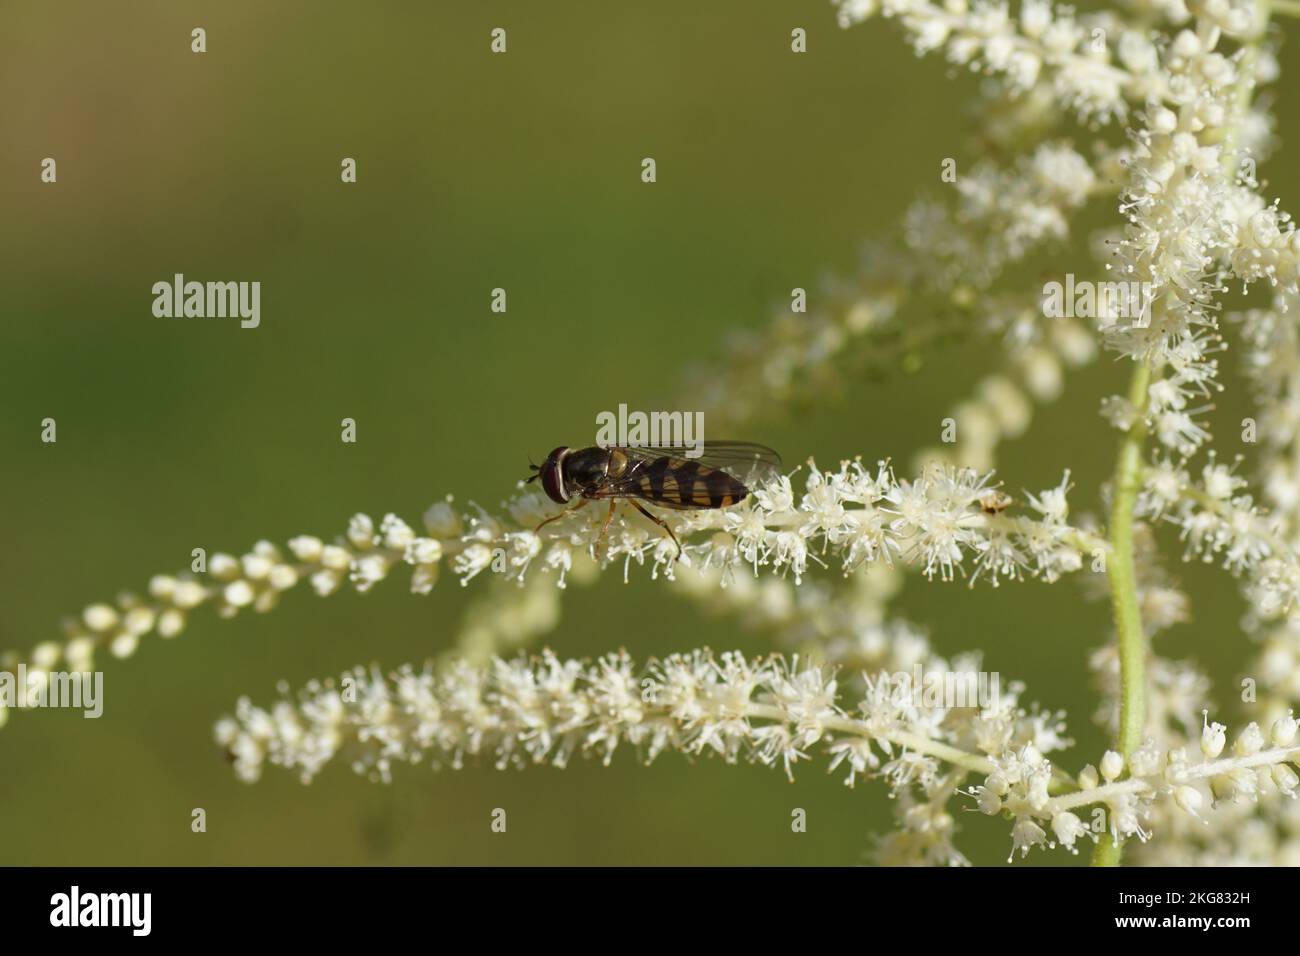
x,y
566,511
604,528
661,523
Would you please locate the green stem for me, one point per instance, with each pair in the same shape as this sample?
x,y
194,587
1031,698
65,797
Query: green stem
x,y
1121,572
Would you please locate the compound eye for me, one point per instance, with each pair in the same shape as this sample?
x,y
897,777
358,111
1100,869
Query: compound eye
x,y
553,483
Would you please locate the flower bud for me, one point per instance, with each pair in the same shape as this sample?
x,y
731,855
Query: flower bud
x,y
162,586
1221,787
238,594
1112,765
1249,741
100,617
45,655
171,622
1189,798
223,566
1286,779
1163,120
306,548
256,567
361,530
1284,731
123,645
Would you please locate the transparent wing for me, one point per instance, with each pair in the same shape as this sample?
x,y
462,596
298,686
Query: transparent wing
x,y
745,461
678,476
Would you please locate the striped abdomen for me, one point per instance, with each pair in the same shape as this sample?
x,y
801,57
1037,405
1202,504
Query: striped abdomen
x,y
684,483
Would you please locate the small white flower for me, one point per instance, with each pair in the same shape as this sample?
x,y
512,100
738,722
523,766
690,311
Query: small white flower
x,y
361,531
306,548
1213,739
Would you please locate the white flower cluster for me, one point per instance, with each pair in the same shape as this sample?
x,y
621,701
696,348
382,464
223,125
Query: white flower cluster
x,y
1176,238
1236,834
1045,47
1220,521
546,711
951,256
1267,831
935,523
1001,214
1272,361
255,580
1192,222
539,711
1136,791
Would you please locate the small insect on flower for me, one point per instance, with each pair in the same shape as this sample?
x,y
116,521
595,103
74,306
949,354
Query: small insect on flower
x,y
994,502
715,475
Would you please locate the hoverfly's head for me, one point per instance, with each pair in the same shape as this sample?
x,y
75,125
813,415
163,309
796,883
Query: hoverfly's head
x,y
551,472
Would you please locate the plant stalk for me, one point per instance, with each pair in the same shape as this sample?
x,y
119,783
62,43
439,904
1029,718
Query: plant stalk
x,y
1121,573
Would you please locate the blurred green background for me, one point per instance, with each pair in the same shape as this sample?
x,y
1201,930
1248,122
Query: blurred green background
x,y
475,171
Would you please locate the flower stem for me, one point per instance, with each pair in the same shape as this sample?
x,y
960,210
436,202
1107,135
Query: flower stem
x,y
1122,575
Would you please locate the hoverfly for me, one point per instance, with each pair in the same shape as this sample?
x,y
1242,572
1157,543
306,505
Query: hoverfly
x,y
724,473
